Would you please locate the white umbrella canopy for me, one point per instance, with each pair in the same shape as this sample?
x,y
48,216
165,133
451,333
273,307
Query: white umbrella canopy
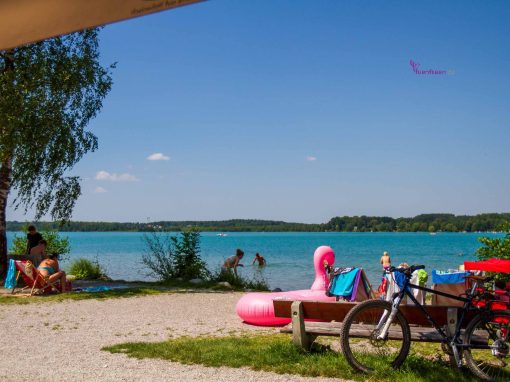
x,y
27,21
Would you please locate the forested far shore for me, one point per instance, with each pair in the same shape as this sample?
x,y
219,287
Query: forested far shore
x,y
421,223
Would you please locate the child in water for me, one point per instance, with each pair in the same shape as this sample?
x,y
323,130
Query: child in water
x,y
260,259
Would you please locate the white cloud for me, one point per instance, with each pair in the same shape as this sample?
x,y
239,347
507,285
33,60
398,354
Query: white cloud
x,y
113,177
311,158
100,190
158,156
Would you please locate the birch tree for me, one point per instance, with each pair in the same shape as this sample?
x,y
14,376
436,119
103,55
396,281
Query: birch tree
x,y
49,92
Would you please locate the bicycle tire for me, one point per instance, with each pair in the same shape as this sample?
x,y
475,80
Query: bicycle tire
x,y
352,318
484,367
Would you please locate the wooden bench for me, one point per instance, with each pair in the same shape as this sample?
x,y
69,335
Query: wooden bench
x,y
332,314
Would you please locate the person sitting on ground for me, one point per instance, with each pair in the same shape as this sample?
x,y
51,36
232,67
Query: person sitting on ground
x,y
33,238
49,269
233,261
260,259
38,252
385,261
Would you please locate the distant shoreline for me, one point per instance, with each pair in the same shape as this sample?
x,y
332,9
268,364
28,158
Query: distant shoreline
x,y
432,223
230,232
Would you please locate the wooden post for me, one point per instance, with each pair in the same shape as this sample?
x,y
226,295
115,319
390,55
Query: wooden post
x,y
299,336
451,320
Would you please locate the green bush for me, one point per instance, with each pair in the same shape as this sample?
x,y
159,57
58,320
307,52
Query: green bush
x,y
169,257
240,282
496,248
56,243
84,269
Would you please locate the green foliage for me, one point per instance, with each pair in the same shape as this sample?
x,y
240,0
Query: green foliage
x,y
49,95
277,354
496,248
188,263
84,269
240,282
169,257
56,243
420,223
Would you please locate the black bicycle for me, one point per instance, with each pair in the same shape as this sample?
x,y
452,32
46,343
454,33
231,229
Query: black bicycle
x,y
375,334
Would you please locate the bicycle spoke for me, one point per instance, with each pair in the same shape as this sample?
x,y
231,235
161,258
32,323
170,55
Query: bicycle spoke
x,y
363,348
489,362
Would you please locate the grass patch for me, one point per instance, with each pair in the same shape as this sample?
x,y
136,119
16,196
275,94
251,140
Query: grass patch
x,y
115,293
239,282
277,354
134,289
236,285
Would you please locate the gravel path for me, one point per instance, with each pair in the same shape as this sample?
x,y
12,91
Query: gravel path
x,y
62,341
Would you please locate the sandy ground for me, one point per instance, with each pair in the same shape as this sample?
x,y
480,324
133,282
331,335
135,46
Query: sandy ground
x,y
61,341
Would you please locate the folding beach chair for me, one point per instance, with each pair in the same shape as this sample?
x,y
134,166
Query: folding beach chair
x,y
350,284
33,279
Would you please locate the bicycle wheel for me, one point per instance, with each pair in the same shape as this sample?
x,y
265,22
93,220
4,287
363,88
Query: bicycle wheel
x,y
360,345
487,341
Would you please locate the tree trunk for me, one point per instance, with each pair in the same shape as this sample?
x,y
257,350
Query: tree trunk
x,y
5,181
5,186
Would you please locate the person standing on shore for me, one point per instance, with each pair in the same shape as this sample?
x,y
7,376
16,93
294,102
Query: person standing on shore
x,y
385,261
33,238
233,261
260,259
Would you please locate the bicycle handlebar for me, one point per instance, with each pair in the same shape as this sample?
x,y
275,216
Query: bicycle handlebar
x,y
409,270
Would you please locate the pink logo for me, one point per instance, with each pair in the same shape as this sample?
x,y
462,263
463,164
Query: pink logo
x,y
416,69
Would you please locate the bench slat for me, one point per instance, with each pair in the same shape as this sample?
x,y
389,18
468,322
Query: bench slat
x,y
336,311
333,329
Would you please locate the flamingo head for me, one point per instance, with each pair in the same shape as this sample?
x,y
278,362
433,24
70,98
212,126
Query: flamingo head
x,y
323,256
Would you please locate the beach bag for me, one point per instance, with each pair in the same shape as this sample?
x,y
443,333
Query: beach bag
x,y
10,279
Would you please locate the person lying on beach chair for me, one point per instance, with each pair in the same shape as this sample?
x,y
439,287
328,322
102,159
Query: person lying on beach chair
x,y
33,279
49,269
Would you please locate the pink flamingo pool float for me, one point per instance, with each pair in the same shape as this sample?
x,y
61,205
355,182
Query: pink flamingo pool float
x,y
257,308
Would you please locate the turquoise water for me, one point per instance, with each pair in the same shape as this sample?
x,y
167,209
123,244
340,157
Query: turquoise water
x,y
289,255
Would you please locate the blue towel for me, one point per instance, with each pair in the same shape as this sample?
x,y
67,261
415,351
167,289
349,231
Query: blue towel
x,y
10,279
439,277
96,289
343,284
400,279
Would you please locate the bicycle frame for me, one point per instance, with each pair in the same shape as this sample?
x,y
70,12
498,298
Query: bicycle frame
x,y
405,291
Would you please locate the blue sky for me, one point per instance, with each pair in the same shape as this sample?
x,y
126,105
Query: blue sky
x,y
303,110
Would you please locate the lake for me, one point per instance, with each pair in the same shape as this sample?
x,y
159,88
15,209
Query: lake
x,y
289,255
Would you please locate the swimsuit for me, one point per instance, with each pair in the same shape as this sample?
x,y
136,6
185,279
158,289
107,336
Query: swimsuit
x,y
229,262
50,270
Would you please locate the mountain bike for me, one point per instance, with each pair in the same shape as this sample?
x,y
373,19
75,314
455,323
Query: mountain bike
x,y
375,334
